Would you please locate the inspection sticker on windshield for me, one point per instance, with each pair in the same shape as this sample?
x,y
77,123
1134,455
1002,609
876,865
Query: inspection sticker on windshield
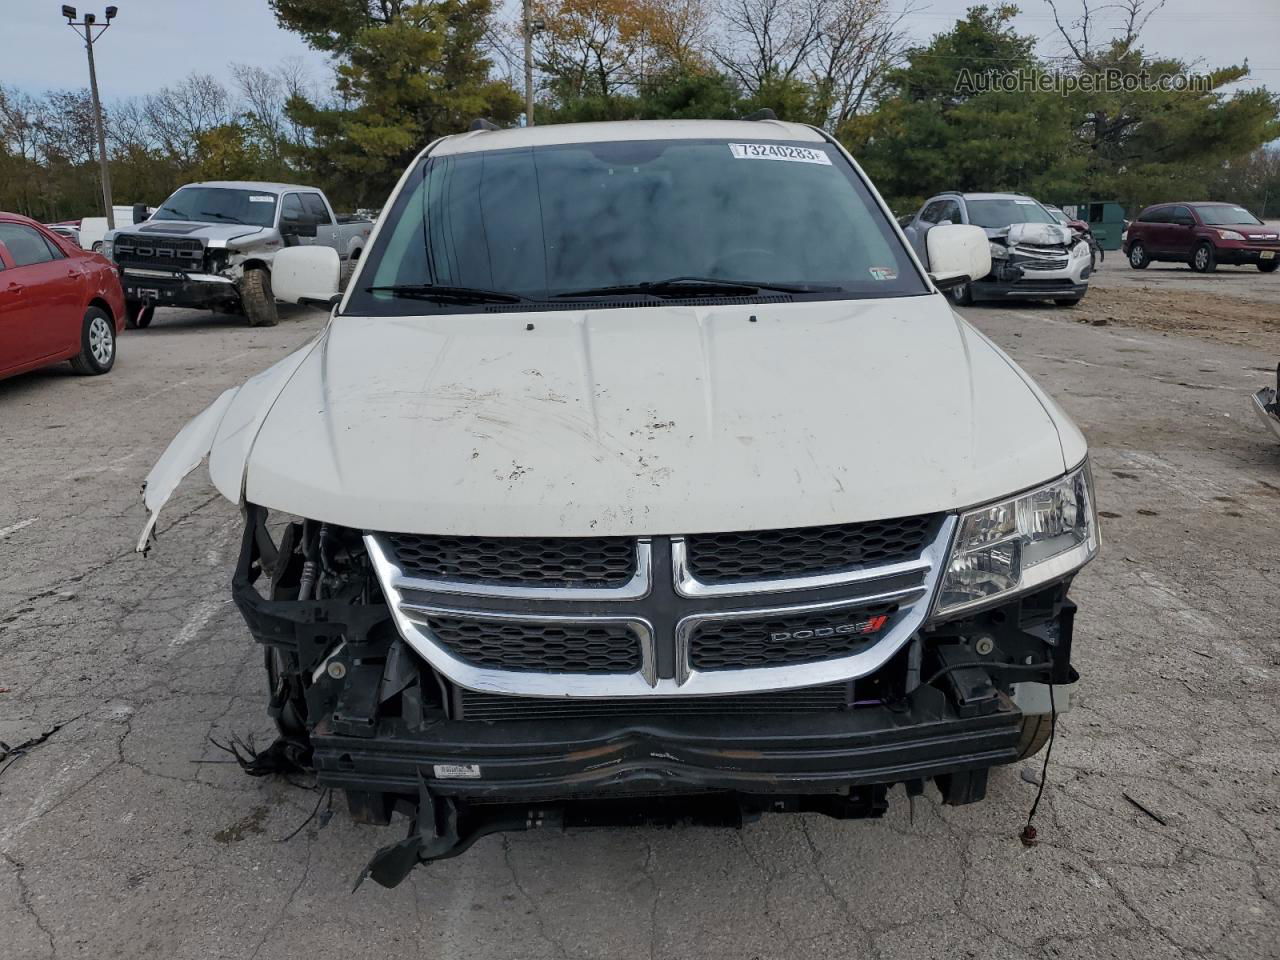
x,y
778,151
261,198
883,273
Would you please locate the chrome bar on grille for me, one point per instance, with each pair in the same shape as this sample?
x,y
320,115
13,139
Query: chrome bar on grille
x,y
902,592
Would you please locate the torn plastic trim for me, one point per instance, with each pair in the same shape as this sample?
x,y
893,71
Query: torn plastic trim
x,y
225,432
184,454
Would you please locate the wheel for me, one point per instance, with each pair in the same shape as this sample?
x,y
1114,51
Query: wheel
x,y
1138,258
961,295
1067,301
1205,259
1269,266
255,295
97,344
1036,730
97,246
137,316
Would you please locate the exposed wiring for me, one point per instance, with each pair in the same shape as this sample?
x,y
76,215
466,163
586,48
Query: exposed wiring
x,y
1029,831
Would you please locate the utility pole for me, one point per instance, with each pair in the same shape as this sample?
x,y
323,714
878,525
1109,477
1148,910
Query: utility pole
x,y
88,23
528,62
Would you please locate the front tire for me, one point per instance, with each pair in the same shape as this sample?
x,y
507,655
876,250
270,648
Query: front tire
x,y
97,344
961,296
1066,301
1138,258
1269,266
256,297
1205,259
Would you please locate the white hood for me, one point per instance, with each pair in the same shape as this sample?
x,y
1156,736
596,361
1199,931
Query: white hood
x,y
646,420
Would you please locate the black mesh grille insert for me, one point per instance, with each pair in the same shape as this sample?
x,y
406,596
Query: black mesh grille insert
x,y
800,551
470,705
175,253
544,647
801,638
540,561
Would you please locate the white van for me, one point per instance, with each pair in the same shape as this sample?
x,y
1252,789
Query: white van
x,y
93,229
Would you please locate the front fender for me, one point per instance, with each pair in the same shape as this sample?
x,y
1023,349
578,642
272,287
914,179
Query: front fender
x,y
224,432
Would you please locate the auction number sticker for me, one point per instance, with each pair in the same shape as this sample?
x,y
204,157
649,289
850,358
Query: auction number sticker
x,y
259,198
778,151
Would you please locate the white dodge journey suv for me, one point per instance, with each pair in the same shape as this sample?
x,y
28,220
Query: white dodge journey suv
x,y
643,472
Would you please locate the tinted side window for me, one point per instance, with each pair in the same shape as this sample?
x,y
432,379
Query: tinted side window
x,y
291,209
931,211
316,211
1180,214
26,246
950,211
1154,215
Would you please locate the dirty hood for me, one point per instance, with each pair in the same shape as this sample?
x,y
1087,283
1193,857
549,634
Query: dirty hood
x,y
651,420
208,232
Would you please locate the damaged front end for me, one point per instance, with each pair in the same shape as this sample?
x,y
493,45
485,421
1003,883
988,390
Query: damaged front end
x,y
376,719
1266,404
1030,260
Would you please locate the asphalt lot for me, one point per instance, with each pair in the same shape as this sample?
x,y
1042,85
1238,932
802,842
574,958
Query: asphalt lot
x,y
116,842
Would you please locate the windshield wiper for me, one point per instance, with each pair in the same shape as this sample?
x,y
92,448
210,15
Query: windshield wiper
x,y
438,291
220,216
696,286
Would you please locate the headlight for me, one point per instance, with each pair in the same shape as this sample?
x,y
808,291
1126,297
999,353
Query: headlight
x,y
1081,249
1230,235
107,249
1018,544
999,251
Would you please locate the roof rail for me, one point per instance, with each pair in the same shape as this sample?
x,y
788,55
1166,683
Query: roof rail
x,y
481,123
764,113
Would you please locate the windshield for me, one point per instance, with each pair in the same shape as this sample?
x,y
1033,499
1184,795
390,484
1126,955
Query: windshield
x,y
1061,217
1218,215
571,221
219,205
995,214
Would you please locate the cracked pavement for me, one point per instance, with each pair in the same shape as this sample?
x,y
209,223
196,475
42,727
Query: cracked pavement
x,y
127,834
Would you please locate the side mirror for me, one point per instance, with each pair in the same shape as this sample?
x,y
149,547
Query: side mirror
x,y
291,228
958,253
140,213
306,275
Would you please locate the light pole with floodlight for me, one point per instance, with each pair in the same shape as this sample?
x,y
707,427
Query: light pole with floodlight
x,y
90,24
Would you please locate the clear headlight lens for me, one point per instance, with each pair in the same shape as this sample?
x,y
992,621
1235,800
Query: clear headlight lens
x,y
107,249
999,251
1230,235
1020,543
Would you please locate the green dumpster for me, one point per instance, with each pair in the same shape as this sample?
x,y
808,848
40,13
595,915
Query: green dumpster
x,y
1105,219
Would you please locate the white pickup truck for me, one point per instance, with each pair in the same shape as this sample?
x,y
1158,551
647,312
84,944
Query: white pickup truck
x,y
212,245
643,472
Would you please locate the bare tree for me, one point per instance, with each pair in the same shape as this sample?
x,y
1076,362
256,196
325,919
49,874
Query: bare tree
x,y
1088,39
179,115
770,38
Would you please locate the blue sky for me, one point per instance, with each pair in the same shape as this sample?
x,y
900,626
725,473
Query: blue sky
x,y
157,42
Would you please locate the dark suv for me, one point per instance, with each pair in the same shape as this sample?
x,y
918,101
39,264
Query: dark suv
x,y
1202,235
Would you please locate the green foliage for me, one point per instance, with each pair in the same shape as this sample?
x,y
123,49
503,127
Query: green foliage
x,y
408,73
937,127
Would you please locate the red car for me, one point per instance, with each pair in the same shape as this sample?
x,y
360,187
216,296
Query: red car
x,y
1202,235
57,302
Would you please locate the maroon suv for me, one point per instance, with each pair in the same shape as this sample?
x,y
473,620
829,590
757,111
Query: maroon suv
x,y
1202,235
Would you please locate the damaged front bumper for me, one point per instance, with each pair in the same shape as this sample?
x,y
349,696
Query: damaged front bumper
x,y
378,722
1266,404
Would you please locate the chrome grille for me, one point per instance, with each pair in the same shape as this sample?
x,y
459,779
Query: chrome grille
x,y
475,705
544,647
763,554
778,610
581,561
781,640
